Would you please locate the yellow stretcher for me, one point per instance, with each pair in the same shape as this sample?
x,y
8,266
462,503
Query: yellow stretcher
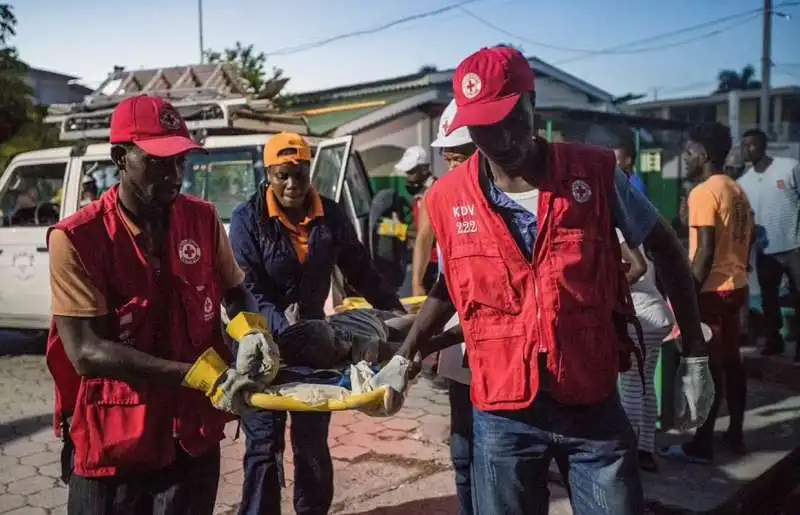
x,y
368,401
359,401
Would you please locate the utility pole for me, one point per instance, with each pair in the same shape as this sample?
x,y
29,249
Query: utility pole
x,y
766,67
200,27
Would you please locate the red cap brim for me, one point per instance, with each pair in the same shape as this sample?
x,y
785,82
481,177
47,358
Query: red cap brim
x,y
167,146
484,113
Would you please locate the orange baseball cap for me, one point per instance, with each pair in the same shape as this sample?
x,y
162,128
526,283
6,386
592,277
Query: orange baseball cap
x,y
275,152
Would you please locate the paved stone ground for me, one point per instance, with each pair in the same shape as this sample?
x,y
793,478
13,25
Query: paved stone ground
x,y
371,456
393,466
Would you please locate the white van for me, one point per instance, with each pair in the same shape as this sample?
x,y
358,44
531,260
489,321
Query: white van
x,y
39,188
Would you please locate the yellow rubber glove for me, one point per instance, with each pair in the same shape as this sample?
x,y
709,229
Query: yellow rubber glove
x,y
226,389
258,356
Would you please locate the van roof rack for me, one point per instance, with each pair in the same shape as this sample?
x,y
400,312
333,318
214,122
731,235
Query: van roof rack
x,y
211,98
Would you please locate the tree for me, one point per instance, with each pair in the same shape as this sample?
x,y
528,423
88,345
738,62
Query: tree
x,y
251,66
34,134
15,94
731,80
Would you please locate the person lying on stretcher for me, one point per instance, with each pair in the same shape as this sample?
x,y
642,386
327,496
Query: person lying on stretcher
x,y
370,335
317,361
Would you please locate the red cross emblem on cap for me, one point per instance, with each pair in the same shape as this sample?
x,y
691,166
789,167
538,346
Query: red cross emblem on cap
x,y
471,85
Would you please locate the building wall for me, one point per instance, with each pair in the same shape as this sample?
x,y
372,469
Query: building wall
x,y
383,145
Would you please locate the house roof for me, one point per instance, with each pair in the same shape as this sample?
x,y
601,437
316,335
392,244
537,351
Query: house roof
x,y
50,74
219,81
707,99
324,120
439,78
334,111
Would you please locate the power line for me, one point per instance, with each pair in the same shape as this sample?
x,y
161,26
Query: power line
x,y
617,49
407,19
741,19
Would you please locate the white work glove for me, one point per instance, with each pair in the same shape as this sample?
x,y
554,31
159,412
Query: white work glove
x,y
393,376
694,392
258,357
233,391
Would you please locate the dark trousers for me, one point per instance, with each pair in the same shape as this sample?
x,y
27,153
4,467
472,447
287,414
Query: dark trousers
x,y
771,269
189,485
513,451
263,463
721,311
461,443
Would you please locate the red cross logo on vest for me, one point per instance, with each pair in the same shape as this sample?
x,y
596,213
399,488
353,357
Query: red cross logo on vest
x,y
471,85
189,252
581,191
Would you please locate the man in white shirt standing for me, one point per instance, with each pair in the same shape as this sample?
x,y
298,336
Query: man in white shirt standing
x,y
772,185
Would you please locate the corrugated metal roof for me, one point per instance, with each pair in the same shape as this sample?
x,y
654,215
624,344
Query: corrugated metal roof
x,y
340,114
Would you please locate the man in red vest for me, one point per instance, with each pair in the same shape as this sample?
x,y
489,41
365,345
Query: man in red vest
x,y
532,265
135,348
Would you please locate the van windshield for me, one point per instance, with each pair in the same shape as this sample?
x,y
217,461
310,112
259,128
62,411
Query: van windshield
x,y
226,177
32,195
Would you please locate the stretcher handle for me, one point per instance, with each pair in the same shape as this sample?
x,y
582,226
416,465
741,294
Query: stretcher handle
x,y
273,402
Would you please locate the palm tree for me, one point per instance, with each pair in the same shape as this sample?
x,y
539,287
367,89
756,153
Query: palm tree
x,y
731,80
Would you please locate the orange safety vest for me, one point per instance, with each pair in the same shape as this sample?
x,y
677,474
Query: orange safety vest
x,y
121,427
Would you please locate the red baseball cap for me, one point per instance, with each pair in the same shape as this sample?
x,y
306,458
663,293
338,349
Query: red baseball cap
x,y
153,125
487,86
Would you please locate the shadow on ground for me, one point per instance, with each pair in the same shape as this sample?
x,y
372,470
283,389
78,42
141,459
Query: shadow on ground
x,y
13,343
437,506
23,427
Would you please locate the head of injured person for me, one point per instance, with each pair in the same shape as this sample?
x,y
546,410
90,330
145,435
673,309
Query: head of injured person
x,y
311,343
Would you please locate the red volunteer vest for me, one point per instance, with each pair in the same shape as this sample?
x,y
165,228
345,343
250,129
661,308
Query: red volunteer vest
x,y
512,310
121,427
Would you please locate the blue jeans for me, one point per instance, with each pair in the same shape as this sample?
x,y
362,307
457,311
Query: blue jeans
x,y
513,451
461,443
263,463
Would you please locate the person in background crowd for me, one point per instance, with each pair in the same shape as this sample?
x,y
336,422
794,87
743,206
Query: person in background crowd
x,y
539,306
772,185
720,236
626,161
415,164
89,191
288,239
136,280
456,147
656,320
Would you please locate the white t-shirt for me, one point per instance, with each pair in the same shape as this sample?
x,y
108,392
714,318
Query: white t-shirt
x,y
651,307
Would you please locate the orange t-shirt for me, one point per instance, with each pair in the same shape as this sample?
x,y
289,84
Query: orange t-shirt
x,y
298,232
720,202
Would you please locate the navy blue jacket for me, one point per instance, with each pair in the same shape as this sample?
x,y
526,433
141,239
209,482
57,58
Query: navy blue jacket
x,y
275,276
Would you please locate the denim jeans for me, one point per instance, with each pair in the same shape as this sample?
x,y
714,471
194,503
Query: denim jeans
x,y
461,443
263,463
513,451
188,485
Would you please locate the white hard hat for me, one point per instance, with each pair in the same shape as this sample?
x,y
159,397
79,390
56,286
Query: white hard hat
x,y
412,158
456,138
